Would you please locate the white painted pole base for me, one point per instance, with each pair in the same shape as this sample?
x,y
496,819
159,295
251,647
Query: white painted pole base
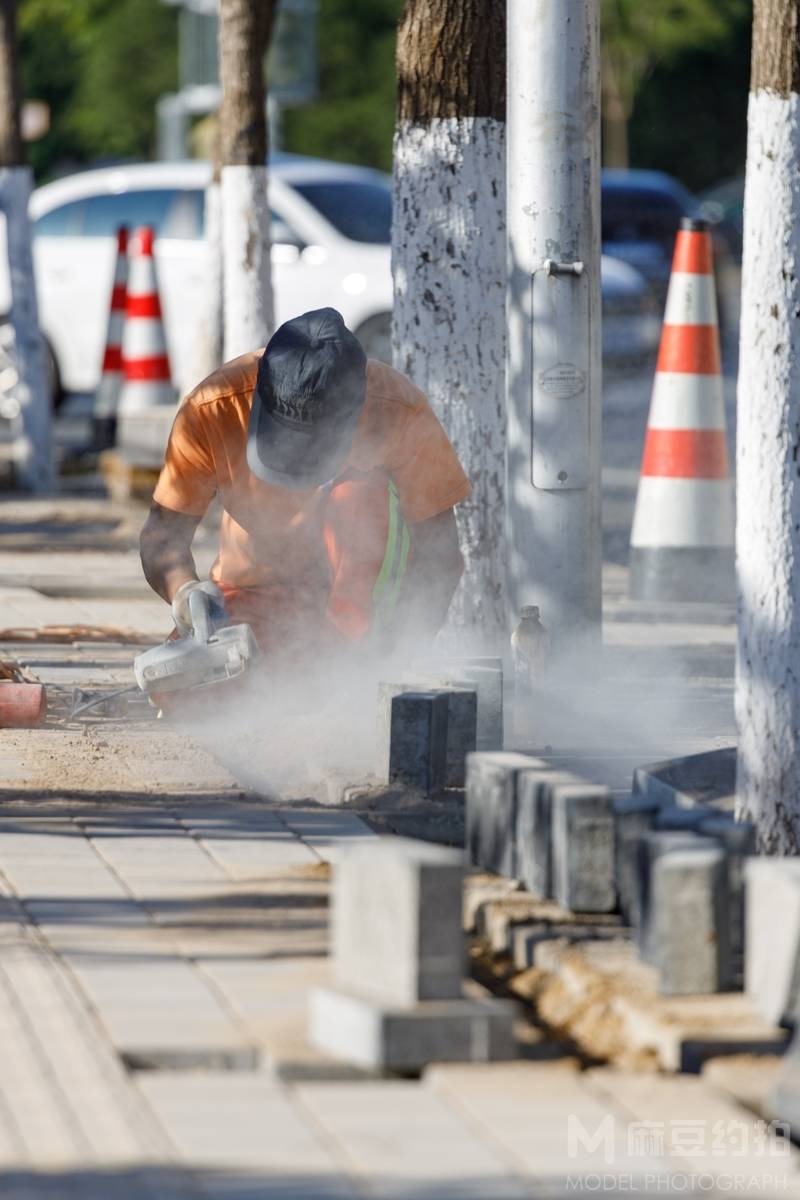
x,y
768,479
247,280
448,260
35,457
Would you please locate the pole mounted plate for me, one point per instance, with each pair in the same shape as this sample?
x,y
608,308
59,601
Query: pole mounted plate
x,y
561,384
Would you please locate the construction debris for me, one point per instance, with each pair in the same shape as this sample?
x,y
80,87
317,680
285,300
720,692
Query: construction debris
x,y
69,634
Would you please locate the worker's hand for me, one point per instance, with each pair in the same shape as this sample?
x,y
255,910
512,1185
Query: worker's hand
x,y
180,604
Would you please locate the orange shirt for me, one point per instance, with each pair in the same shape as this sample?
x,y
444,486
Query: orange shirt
x,y
271,537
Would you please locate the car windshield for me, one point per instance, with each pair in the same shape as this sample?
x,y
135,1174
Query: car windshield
x,y
359,210
640,215
172,213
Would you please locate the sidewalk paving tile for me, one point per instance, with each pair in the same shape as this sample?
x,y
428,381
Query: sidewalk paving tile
x,y
330,833
406,1141
248,1128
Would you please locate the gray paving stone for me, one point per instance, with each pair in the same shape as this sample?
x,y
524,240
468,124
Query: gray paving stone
x,y
783,1098
163,1014
396,927
412,737
62,1088
772,920
330,834
485,677
376,1123
462,734
256,856
633,818
149,861
583,847
545,1119
491,809
246,1130
534,859
377,1036
738,839
725,1141
689,895
651,847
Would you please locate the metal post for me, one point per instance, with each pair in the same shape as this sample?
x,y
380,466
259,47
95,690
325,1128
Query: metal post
x,y
34,459
553,376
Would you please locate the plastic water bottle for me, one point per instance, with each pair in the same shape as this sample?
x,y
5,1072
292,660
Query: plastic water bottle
x,y
530,647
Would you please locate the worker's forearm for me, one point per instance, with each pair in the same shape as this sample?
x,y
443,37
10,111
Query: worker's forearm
x,y
166,554
166,575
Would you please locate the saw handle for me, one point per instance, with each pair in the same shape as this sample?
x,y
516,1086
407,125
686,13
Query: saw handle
x,y
200,612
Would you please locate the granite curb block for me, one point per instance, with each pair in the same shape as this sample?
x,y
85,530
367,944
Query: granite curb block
x,y
426,750
398,955
386,1037
551,830
567,840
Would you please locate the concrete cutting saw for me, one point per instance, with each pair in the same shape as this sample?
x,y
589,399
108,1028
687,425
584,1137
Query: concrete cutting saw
x,y
207,656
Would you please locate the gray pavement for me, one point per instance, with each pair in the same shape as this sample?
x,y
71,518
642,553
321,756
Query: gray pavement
x,y
163,922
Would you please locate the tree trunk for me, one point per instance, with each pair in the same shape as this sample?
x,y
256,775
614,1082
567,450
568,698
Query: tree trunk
x,y
34,458
616,114
448,261
768,454
11,150
244,31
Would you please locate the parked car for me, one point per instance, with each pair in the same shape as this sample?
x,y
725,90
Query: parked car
x,y
339,258
641,214
723,206
331,226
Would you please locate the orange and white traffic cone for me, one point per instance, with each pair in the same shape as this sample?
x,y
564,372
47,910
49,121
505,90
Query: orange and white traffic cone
x,y
147,378
106,400
683,528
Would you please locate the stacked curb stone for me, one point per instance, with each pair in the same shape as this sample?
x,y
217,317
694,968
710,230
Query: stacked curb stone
x,y
675,873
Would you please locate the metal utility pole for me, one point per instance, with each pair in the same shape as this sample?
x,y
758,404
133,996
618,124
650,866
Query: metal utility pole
x,y
244,32
35,463
768,441
553,376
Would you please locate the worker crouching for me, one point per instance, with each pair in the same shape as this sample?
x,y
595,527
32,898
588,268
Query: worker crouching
x,y
337,485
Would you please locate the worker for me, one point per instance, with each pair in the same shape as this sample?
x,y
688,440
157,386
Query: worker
x,y
337,485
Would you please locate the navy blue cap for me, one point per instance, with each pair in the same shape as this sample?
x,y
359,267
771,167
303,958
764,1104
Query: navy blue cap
x,y
309,393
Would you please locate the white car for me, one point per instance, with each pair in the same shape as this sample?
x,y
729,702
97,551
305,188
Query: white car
x,y
330,229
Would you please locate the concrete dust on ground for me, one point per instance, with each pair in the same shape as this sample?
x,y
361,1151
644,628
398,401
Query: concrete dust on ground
x,y
106,761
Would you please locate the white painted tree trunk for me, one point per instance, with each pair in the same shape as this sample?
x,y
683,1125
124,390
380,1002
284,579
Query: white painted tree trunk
x,y
449,267
247,287
35,459
768,478
208,350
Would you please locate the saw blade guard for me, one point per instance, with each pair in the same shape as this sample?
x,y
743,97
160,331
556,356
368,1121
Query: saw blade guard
x,y
188,664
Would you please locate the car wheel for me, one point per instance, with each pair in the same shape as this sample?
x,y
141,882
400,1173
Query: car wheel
x,y
375,336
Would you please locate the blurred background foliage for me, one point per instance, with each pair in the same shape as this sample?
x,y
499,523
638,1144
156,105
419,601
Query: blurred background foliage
x,y
101,65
